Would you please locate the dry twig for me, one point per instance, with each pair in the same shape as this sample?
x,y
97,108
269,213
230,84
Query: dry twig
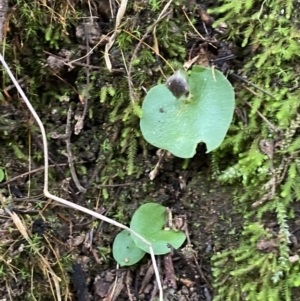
x,y
28,173
67,137
3,12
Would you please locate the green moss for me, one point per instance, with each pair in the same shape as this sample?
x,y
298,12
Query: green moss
x,y
269,33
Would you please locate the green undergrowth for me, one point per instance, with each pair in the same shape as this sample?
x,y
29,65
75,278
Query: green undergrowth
x,y
263,143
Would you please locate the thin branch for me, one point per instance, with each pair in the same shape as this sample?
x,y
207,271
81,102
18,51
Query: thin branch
x,y
21,82
115,185
69,152
68,63
103,38
242,79
271,126
29,173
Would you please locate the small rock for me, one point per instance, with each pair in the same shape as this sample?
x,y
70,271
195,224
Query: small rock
x,y
294,258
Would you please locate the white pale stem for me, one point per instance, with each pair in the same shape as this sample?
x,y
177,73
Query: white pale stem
x,y
65,202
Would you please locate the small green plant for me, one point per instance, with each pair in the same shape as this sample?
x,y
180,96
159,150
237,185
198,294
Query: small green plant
x,y
188,110
149,221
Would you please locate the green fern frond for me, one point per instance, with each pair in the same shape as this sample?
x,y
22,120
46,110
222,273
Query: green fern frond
x,y
286,291
273,293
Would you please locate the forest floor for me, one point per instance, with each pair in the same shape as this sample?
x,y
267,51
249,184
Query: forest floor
x,y
83,247
49,250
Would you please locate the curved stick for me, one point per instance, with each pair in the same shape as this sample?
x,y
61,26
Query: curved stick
x,y
68,203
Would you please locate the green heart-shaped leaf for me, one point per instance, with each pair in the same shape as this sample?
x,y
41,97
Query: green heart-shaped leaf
x,y
125,251
178,125
149,221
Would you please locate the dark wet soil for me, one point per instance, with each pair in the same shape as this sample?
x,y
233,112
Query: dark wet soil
x,y
205,205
